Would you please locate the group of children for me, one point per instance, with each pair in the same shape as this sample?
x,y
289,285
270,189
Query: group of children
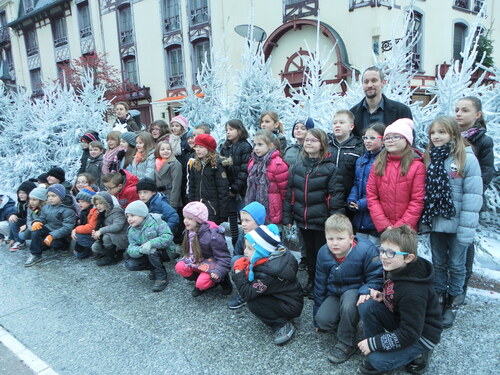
x,y
388,190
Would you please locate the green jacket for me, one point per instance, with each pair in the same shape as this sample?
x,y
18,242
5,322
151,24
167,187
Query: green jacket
x,y
153,229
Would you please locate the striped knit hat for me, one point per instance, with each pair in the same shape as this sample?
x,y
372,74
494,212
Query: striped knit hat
x,y
264,239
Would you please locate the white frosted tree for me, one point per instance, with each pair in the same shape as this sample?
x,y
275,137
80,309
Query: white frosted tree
x,y
213,108
44,132
257,89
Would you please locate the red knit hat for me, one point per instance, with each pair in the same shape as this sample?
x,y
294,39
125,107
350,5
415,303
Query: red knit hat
x,y
205,140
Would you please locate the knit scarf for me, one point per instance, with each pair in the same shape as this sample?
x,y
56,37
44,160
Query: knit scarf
x,y
258,183
438,199
109,160
469,132
191,236
160,161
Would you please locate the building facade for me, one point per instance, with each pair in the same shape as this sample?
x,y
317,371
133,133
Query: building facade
x,y
159,45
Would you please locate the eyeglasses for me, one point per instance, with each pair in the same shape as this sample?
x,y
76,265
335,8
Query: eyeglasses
x,y
394,138
371,138
311,140
390,253
108,188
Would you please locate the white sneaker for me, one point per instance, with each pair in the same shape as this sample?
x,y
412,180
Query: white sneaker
x,y
16,246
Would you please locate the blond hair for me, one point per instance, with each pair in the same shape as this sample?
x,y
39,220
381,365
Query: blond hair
x,y
339,223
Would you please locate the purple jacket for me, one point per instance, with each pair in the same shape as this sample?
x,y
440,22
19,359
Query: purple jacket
x,y
213,245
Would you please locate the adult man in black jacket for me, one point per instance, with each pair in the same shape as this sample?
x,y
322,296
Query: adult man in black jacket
x,y
376,107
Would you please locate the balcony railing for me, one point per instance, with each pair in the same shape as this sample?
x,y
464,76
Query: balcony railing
x,y
171,24
59,42
176,81
353,4
32,51
463,4
127,37
470,6
199,16
85,32
4,35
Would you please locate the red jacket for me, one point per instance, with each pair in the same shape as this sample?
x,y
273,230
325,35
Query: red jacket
x,y
128,193
277,173
91,223
394,200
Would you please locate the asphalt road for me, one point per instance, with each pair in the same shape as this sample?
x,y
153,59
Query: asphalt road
x,y
82,319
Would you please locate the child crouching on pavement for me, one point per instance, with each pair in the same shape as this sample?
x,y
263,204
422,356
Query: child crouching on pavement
x,y
266,278
53,227
110,233
37,199
402,323
82,234
206,257
347,268
148,237
252,215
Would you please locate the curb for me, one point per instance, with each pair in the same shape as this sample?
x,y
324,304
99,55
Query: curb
x,y
30,359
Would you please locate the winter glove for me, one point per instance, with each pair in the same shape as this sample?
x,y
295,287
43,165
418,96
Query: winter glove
x,y
37,225
48,240
241,264
146,248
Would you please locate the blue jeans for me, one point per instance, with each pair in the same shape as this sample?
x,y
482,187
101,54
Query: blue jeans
x,y
377,319
14,229
37,245
448,259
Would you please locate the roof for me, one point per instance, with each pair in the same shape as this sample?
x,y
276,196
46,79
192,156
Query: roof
x,y
41,10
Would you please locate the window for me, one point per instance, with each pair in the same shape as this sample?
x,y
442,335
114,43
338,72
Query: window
x,y
60,32
31,42
8,58
201,51
84,20
62,67
36,81
417,32
130,70
199,12
171,18
459,33
175,67
125,24
4,31
28,5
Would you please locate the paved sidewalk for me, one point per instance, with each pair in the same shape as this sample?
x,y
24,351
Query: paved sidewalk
x,y
84,320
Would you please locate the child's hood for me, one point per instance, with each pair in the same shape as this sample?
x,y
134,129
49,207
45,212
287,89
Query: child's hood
x,y
6,200
210,225
418,271
280,264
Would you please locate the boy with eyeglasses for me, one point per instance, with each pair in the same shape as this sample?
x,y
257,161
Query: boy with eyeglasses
x,y
121,185
347,268
402,323
344,147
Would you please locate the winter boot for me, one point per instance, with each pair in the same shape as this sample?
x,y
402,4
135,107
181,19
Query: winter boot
x,y
227,287
449,311
109,257
419,364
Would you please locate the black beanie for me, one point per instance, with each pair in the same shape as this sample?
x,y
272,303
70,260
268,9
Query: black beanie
x,y
146,184
58,173
26,186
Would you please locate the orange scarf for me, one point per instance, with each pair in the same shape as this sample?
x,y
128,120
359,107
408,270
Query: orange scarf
x,y
138,157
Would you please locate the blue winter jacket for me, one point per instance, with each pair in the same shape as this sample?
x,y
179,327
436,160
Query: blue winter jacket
x,y
7,208
362,220
158,204
361,269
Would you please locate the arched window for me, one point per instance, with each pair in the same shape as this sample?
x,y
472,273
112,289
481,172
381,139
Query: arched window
x,y
459,34
175,67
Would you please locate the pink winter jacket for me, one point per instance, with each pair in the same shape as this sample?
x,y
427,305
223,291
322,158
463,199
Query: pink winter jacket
x,y
277,173
394,200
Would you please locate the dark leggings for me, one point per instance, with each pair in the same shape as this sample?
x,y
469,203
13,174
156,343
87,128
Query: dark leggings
x,y
313,241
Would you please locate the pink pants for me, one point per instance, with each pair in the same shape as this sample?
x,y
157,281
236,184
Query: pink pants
x,y
203,282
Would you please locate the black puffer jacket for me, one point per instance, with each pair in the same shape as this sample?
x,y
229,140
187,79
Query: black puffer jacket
x,y
277,277
210,186
236,160
345,155
482,145
315,191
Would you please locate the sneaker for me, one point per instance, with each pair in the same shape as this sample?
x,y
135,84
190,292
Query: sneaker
x,y
367,368
236,303
341,353
159,285
284,334
419,364
32,260
197,292
15,246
